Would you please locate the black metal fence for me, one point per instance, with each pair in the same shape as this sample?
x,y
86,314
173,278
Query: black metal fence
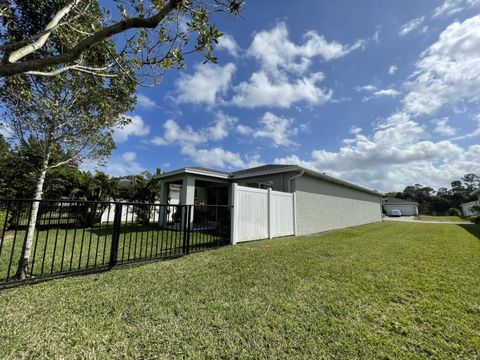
x,y
81,236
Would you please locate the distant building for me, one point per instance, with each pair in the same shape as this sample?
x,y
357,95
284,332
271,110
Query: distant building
x,y
467,207
406,207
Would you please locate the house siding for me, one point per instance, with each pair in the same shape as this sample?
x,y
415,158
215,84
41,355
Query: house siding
x,y
279,181
323,206
467,208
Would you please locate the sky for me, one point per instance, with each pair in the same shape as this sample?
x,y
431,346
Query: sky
x,y
384,94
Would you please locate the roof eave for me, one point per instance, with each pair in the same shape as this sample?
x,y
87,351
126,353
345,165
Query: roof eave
x,y
266,172
193,172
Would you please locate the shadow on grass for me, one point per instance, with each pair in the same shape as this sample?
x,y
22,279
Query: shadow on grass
x,y
66,251
473,229
38,280
85,272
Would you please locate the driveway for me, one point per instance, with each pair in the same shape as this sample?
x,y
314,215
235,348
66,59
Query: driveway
x,y
412,219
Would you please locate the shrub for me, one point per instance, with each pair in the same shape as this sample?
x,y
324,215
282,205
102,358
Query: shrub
x,y
3,219
474,219
454,212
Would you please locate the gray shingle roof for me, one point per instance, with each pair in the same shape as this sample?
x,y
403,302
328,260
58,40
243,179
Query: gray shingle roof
x,y
269,167
394,201
265,169
208,169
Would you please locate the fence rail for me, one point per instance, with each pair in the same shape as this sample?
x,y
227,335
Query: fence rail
x,y
84,236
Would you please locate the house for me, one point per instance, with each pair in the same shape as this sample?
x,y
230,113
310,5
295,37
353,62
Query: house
x,y
322,202
467,207
406,207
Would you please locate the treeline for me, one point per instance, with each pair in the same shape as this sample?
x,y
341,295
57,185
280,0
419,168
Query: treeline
x,y
443,200
19,168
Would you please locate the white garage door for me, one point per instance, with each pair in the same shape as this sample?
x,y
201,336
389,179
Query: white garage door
x,y
406,210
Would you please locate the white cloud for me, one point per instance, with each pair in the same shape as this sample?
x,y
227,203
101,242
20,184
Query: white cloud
x,y
392,70
369,88
191,141
136,127
443,128
173,133
129,156
413,25
448,72
262,90
215,157
278,129
283,78
145,102
205,85
400,150
218,157
274,50
228,44
217,130
386,92
221,127
244,130
119,165
377,93
398,153
451,7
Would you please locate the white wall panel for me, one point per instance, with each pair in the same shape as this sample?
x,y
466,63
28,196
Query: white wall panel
x,y
260,214
251,219
282,217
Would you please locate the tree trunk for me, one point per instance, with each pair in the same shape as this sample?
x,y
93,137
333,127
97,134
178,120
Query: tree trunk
x,y
22,271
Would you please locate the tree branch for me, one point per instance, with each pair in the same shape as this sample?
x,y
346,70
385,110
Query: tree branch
x,y
77,67
12,68
37,44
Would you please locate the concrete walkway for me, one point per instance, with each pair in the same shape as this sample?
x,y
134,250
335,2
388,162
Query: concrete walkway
x,y
412,219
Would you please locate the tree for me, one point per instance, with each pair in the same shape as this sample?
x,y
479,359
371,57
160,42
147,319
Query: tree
x,y
475,209
421,194
164,31
443,200
471,182
74,114
143,188
4,148
18,174
99,188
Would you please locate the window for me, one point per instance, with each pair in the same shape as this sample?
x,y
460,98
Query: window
x,y
261,185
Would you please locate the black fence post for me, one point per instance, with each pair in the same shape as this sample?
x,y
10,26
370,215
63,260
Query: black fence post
x,y
190,209
117,219
186,229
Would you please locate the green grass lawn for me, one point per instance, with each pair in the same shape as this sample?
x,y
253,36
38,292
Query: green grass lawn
x,y
386,290
441,218
58,249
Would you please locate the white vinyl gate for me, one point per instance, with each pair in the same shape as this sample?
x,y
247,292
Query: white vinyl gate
x,y
260,214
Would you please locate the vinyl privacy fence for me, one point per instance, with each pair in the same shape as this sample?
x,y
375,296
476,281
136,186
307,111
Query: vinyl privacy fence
x,y
260,214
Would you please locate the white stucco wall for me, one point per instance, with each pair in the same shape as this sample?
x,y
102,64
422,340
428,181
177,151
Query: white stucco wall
x,y
323,206
467,208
